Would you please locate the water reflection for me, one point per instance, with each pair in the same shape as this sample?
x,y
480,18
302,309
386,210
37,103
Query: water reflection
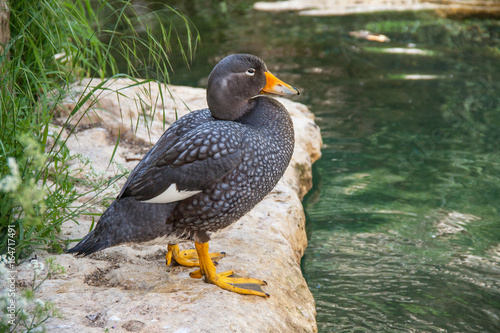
x,y
376,282
404,235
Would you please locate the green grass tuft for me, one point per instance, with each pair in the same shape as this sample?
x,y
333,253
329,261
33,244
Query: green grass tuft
x,y
53,44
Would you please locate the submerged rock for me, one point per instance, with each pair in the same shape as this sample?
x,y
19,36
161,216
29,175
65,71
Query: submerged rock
x,y
129,288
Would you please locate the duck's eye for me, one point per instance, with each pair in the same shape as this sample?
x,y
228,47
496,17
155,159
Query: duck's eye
x,y
250,72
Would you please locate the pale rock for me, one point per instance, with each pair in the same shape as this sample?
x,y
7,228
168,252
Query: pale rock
x,y
349,7
128,288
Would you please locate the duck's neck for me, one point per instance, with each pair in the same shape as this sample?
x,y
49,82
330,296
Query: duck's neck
x,y
229,108
231,111
266,113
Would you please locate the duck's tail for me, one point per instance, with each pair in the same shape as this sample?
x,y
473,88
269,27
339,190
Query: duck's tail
x,y
126,220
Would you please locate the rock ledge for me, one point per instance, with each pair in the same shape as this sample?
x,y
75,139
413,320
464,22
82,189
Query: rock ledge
x,y
129,288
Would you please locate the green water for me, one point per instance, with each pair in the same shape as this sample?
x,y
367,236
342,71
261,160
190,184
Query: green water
x,y
403,220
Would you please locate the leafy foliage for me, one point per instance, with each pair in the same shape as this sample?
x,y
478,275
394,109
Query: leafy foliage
x,y
23,311
54,43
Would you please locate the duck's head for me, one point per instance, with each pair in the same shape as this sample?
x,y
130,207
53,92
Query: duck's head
x,y
235,80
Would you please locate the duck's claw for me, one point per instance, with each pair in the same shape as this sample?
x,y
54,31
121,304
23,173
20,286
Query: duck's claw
x,y
188,258
225,280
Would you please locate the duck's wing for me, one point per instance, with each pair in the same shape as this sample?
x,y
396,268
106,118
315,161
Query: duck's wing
x,y
185,161
179,128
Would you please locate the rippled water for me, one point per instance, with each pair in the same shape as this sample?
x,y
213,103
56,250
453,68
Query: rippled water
x,y
403,220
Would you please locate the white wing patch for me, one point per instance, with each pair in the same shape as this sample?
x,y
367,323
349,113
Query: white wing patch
x,y
171,194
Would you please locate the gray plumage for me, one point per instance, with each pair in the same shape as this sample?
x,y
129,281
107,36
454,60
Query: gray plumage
x,y
233,153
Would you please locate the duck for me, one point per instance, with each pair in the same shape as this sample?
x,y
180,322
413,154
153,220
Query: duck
x,y
207,170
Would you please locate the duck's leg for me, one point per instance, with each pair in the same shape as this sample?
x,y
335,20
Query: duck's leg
x,y
187,258
224,279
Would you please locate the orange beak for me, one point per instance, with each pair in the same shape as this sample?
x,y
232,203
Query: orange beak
x,y
277,87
